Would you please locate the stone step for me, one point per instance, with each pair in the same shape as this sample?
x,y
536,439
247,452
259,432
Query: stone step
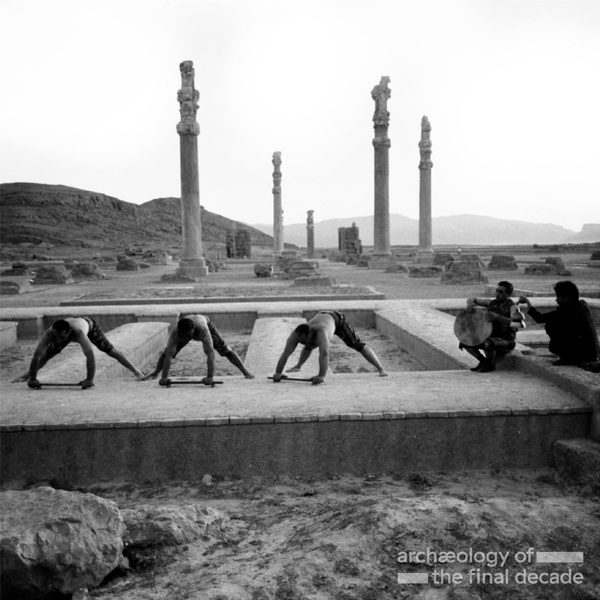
x,y
139,342
267,343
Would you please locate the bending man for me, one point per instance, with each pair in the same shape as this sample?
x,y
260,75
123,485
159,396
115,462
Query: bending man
x,y
200,329
318,333
84,331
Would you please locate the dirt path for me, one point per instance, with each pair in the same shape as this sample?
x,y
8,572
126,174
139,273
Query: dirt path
x,y
347,538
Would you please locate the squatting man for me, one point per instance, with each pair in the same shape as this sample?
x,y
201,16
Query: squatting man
x,y
83,331
200,329
506,319
318,333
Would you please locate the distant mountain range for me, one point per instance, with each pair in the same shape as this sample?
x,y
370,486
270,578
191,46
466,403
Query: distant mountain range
x,y
459,229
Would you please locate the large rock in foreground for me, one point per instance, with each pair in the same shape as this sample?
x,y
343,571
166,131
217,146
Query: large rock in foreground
x,y
57,541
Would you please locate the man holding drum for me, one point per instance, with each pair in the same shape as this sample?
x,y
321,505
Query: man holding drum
x,y
505,319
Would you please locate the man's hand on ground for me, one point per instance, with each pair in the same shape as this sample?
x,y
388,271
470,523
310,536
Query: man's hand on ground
x,y
86,383
32,383
317,379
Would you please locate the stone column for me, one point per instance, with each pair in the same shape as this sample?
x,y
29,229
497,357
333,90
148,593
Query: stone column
x,y
277,210
425,252
381,252
191,263
310,235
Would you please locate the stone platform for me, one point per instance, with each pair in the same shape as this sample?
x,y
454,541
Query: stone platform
x,y
359,423
446,418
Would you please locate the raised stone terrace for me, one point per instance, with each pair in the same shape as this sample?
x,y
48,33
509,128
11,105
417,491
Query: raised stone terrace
x,y
441,418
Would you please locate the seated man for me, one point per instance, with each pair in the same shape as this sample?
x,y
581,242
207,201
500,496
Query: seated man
x,y
200,329
317,333
506,319
83,331
573,335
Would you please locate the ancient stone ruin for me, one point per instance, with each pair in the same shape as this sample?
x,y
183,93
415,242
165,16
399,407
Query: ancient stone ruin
x,y
441,259
553,265
382,255
463,272
503,262
191,262
310,234
238,244
349,241
127,264
425,253
52,275
263,270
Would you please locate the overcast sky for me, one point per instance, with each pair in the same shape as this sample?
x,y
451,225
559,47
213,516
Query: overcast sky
x,y
511,88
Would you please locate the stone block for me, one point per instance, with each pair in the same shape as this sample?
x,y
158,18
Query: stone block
x,y
53,275
263,270
12,287
441,259
425,271
314,281
303,268
463,272
503,262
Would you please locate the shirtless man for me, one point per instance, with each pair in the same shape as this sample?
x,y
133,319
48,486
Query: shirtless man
x,y
200,329
318,333
83,331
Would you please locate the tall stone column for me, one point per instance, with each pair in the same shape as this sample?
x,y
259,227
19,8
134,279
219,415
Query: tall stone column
x,y
191,263
277,210
310,234
425,252
381,251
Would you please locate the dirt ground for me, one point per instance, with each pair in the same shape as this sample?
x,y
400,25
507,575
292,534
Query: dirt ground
x,y
349,536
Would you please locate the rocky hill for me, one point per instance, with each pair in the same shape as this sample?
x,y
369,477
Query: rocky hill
x,y
64,217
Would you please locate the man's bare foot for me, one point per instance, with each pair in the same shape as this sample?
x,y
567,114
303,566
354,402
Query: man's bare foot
x,y
293,370
21,378
149,376
383,373
248,376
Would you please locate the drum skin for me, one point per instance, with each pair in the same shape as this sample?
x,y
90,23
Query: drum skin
x,y
472,328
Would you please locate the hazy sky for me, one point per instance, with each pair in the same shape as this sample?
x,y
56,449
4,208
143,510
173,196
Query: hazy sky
x,y
511,88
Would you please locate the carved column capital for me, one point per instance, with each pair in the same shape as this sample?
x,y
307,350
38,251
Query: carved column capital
x,y
381,94
425,145
188,98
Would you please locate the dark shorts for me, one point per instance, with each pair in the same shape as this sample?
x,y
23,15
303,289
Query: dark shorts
x,y
344,331
95,335
218,344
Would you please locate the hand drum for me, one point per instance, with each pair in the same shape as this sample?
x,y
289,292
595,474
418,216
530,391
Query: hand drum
x,y
472,328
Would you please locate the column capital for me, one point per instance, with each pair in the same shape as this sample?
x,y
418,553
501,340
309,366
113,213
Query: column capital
x,y
425,145
381,93
188,98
